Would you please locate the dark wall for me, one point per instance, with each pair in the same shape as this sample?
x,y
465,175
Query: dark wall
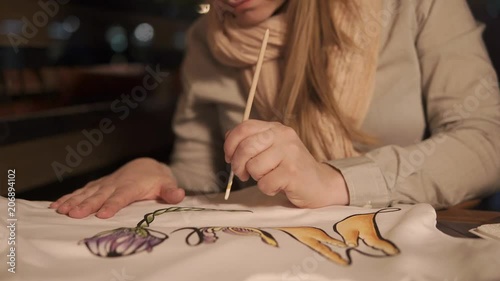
x,y
488,12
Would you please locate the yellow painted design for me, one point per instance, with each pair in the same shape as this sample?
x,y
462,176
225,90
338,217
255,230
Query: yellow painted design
x,y
352,229
317,240
364,227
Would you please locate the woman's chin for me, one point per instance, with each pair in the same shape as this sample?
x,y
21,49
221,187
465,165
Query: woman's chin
x,y
247,22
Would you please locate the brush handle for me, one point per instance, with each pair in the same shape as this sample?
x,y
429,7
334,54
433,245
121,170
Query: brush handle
x,y
229,185
256,75
250,99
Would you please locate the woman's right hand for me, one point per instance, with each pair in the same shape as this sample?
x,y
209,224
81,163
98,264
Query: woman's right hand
x,y
140,179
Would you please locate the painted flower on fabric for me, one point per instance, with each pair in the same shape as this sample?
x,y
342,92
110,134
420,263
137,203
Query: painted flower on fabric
x,y
265,236
208,235
124,242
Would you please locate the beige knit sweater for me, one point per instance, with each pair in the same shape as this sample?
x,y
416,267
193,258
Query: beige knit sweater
x,y
435,111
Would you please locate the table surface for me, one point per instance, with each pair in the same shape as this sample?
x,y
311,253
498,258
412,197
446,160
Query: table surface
x,y
457,221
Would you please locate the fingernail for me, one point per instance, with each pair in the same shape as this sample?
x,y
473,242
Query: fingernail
x,y
79,207
64,206
170,189
100,214
63,209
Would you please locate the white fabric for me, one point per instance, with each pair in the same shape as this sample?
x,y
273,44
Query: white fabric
x,y
488,231
48,249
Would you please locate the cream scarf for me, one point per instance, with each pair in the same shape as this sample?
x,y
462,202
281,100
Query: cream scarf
x,y
352,72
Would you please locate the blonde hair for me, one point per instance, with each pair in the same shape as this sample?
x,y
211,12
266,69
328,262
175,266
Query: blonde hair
x,y
306,87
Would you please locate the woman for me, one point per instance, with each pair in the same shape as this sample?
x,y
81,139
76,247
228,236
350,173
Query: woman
x,y
367,102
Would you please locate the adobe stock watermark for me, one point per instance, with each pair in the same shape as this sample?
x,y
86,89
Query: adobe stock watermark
x,y
487,87
458,113
121,275
416,158
375,21
217,181
31,26
122,107
302,271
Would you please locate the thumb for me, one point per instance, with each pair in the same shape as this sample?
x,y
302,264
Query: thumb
x,y
172,195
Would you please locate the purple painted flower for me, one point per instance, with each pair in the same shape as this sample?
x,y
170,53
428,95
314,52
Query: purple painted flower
x,y
124,242
210,235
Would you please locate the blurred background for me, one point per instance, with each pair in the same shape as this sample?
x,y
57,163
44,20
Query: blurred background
x,y
67,65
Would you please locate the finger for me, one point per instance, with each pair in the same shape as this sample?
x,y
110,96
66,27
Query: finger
x,y
121,198
91,205
249,148
241,132
273,182
64,198
172,195
264,163
58,202
75,200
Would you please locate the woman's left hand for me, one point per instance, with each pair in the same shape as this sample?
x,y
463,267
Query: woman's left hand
x,y
274,156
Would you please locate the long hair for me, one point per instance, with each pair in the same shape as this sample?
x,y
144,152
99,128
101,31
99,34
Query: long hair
x,y
306,86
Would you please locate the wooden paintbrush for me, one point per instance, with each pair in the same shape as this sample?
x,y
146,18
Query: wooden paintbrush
x,y
251,96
